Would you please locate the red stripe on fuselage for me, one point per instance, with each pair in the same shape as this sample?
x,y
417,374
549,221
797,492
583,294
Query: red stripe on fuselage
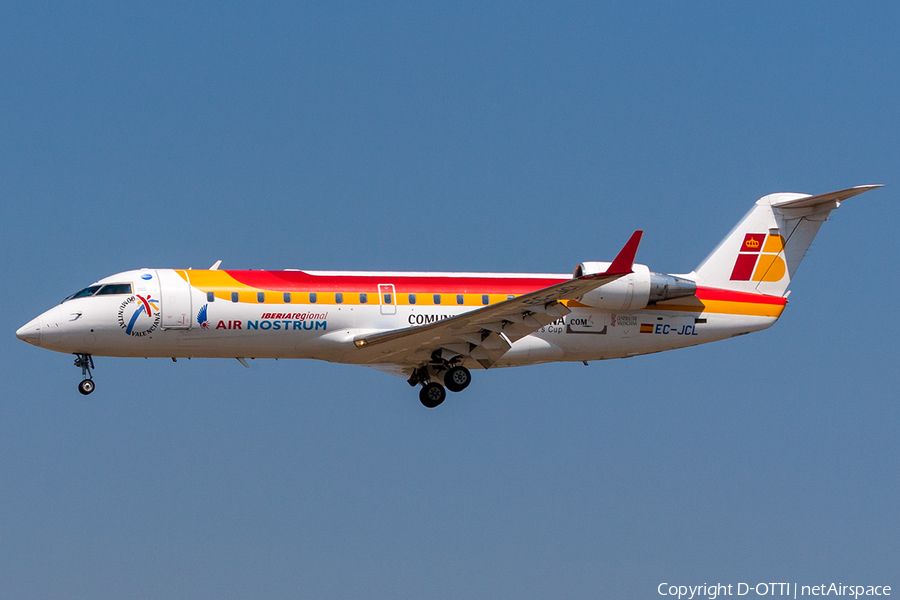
x,y
288,281
706,293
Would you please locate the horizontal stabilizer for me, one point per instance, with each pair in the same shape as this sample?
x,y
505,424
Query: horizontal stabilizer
x,y
838,196
762,253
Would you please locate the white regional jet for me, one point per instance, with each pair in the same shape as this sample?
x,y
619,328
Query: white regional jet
x,y
432,328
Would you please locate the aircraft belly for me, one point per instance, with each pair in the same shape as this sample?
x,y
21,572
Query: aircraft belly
x,y
592,335
531,349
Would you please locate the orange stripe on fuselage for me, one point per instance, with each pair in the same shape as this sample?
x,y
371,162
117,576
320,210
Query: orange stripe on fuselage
x,y
288,281
727,302
299,284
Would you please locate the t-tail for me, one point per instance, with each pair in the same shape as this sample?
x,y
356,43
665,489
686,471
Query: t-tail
x,y
762,253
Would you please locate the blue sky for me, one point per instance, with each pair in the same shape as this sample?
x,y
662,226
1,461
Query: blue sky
x,y
464,136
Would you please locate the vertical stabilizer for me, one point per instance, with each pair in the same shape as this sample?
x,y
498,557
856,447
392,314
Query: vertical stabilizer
x,y
764,250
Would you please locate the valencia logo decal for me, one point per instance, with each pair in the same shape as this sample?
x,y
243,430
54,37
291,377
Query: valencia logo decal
x,y
145,316
758,258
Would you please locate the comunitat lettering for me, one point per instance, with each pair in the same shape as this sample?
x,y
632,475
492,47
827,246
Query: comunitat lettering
x,y
423,319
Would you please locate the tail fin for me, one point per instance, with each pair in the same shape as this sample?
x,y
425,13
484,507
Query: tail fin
x,y
762,253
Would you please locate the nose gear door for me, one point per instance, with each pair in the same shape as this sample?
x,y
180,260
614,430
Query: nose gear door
x,y
175,296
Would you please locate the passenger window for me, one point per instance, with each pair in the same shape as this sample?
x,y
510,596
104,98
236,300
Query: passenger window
x,y
339,298
459,298
261,297
210,297
287,297
387,298
312,298
437,298
234,296
412,298
509,296
484,298
363,298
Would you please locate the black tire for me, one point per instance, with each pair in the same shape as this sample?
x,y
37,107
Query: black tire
x,y
457,379
432,394
86,386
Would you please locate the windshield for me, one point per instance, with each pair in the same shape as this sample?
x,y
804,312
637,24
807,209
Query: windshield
x,y
88,291
102,290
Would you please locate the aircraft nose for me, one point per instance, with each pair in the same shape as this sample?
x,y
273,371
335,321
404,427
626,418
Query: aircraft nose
x,y
30,332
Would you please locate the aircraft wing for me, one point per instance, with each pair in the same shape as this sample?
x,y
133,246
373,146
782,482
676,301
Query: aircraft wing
x,y
485,334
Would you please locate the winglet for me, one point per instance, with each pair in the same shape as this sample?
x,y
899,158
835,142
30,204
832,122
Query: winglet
x,y
623,262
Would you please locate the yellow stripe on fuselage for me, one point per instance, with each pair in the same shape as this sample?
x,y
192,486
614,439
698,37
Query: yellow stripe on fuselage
x,y
724,307
223,285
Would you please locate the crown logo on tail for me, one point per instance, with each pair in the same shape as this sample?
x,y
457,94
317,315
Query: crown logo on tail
x,y
753,265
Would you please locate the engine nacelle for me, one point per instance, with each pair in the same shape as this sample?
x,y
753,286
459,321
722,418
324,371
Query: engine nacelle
x,y
634,291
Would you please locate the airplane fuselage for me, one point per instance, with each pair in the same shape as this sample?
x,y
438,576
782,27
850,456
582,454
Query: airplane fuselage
x,y
297,314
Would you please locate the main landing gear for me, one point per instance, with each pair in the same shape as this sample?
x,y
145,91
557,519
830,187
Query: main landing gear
x,y
432,394
456,378
86,362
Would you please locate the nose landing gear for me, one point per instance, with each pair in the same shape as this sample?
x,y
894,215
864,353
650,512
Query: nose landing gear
x,y
86,362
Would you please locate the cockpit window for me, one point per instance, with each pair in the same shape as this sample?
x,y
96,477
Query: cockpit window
x,y
88,291
115,288
102,290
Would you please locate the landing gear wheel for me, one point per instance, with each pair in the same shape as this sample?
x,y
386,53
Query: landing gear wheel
x,y
432,394
86,362
457,379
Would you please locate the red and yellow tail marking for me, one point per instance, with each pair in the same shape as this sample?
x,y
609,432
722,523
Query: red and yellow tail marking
x,y
758,258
